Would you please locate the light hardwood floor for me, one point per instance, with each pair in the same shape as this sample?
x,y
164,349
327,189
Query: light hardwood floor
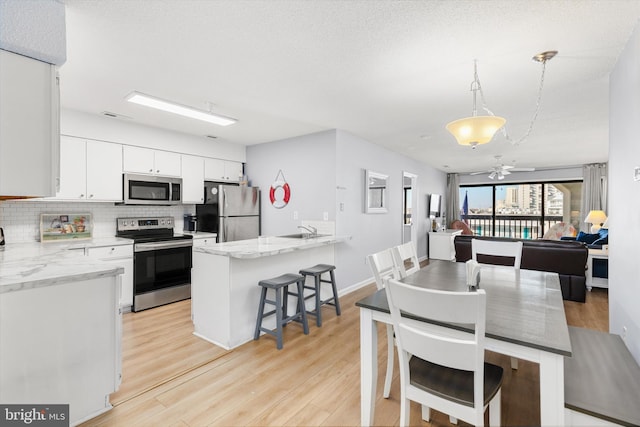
x,y
172,378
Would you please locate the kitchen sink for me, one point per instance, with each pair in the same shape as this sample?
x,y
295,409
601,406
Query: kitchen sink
x,y
303,236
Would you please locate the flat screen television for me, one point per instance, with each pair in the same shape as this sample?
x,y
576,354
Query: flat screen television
x,y
434,205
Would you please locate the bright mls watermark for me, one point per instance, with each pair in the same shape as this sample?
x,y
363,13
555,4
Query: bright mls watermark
x,y
34,415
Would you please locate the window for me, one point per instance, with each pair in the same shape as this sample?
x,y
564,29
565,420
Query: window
x,y
524,211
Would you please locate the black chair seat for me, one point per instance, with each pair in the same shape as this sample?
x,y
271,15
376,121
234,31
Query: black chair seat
x,y
453,384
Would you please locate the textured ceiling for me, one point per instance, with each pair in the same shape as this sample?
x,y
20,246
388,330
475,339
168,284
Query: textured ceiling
x,y
391,72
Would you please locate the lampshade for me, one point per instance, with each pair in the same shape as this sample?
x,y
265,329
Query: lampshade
x,y
596,218
475,130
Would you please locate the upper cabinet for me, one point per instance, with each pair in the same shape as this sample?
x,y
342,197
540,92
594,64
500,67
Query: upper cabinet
x,y
29,127
150,161
90,170
192,179
222,170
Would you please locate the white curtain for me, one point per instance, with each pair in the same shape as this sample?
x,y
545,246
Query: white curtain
x,y
594,190
453,204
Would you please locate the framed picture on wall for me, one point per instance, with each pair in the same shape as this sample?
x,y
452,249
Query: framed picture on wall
x,y
375,192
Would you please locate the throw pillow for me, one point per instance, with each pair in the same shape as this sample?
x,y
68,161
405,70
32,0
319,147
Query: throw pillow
x,y
587,238
603,233
601,241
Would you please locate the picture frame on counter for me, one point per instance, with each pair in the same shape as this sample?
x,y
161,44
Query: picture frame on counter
x,y
68,226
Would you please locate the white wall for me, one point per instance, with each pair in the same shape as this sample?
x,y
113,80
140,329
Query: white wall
x,y
624,195
324,171
375,232
564,174
20,220
308,165
92,126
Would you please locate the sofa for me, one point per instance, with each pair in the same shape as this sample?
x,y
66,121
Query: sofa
x,y
594,240
567,258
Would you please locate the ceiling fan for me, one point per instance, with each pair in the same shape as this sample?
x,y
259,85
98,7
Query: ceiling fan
x,y
500,170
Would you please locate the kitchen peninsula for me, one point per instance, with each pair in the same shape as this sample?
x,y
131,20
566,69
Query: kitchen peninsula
x,y
60,328
225,276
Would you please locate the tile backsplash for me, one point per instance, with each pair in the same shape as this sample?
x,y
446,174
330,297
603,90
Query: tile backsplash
x,y
21,219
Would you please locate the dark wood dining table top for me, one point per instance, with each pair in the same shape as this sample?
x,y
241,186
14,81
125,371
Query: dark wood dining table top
x,y
523,308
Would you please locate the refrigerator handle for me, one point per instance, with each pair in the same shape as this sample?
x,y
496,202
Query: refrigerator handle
x,y
223,231
224,192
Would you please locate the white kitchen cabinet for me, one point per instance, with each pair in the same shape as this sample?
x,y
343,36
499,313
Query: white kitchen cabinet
x,y
222,170
90,170
204,239
119,255
192,179
29,126
441,244
73,169
150,161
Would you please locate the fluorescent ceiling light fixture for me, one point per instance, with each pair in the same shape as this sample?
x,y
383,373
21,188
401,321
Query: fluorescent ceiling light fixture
x,y
182,110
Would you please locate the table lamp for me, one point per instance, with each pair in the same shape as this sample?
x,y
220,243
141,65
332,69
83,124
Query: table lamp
x,y
596,218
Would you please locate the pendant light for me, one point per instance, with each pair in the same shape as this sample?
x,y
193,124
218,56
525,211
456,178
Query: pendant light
x,y
475,130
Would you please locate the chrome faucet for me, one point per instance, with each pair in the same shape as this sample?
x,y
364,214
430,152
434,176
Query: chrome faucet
x,y
312,230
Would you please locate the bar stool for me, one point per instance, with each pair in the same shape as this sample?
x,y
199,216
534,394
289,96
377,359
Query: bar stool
x,y
278,284
317,271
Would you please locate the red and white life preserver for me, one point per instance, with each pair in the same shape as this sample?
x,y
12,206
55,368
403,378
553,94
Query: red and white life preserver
x,y
279,194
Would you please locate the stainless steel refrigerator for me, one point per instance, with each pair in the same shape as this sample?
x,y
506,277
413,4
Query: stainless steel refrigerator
x,y
232,211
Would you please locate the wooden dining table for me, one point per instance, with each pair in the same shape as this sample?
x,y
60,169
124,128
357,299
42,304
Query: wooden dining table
x,y
525,319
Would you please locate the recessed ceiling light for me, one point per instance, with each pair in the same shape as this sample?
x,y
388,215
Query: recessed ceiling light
x,y
182,110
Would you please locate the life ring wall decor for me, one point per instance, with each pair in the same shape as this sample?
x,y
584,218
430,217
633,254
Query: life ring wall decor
x,y
280,192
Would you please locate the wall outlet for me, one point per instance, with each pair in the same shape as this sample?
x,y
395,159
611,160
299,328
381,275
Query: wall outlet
x,y
624,333
325,216
295,215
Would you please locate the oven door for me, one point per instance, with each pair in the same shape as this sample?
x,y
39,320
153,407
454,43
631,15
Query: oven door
x,y
160,267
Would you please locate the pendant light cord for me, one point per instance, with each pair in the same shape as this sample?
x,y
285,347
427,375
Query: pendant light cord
x,y
535,114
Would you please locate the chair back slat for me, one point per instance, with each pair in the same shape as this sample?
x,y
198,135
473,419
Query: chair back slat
x,y
497,248
406,254
445,346
382,266
455,350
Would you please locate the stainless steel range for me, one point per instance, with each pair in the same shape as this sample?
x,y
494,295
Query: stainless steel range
x,y
161,261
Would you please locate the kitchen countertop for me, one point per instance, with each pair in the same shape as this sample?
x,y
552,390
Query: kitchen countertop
x,y
200,234
267,246
31,265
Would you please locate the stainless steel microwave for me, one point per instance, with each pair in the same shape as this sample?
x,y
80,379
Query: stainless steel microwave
x,y
151,190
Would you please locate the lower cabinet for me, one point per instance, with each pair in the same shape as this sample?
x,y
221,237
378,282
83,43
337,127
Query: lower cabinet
x,y
118,255
210,239
62,344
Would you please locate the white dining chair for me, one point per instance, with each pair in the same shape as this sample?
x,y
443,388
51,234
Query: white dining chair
x,y
383,268
443,368
497,248
501,249
402,256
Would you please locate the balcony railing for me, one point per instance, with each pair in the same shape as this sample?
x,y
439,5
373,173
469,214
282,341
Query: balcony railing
x,y
515,226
